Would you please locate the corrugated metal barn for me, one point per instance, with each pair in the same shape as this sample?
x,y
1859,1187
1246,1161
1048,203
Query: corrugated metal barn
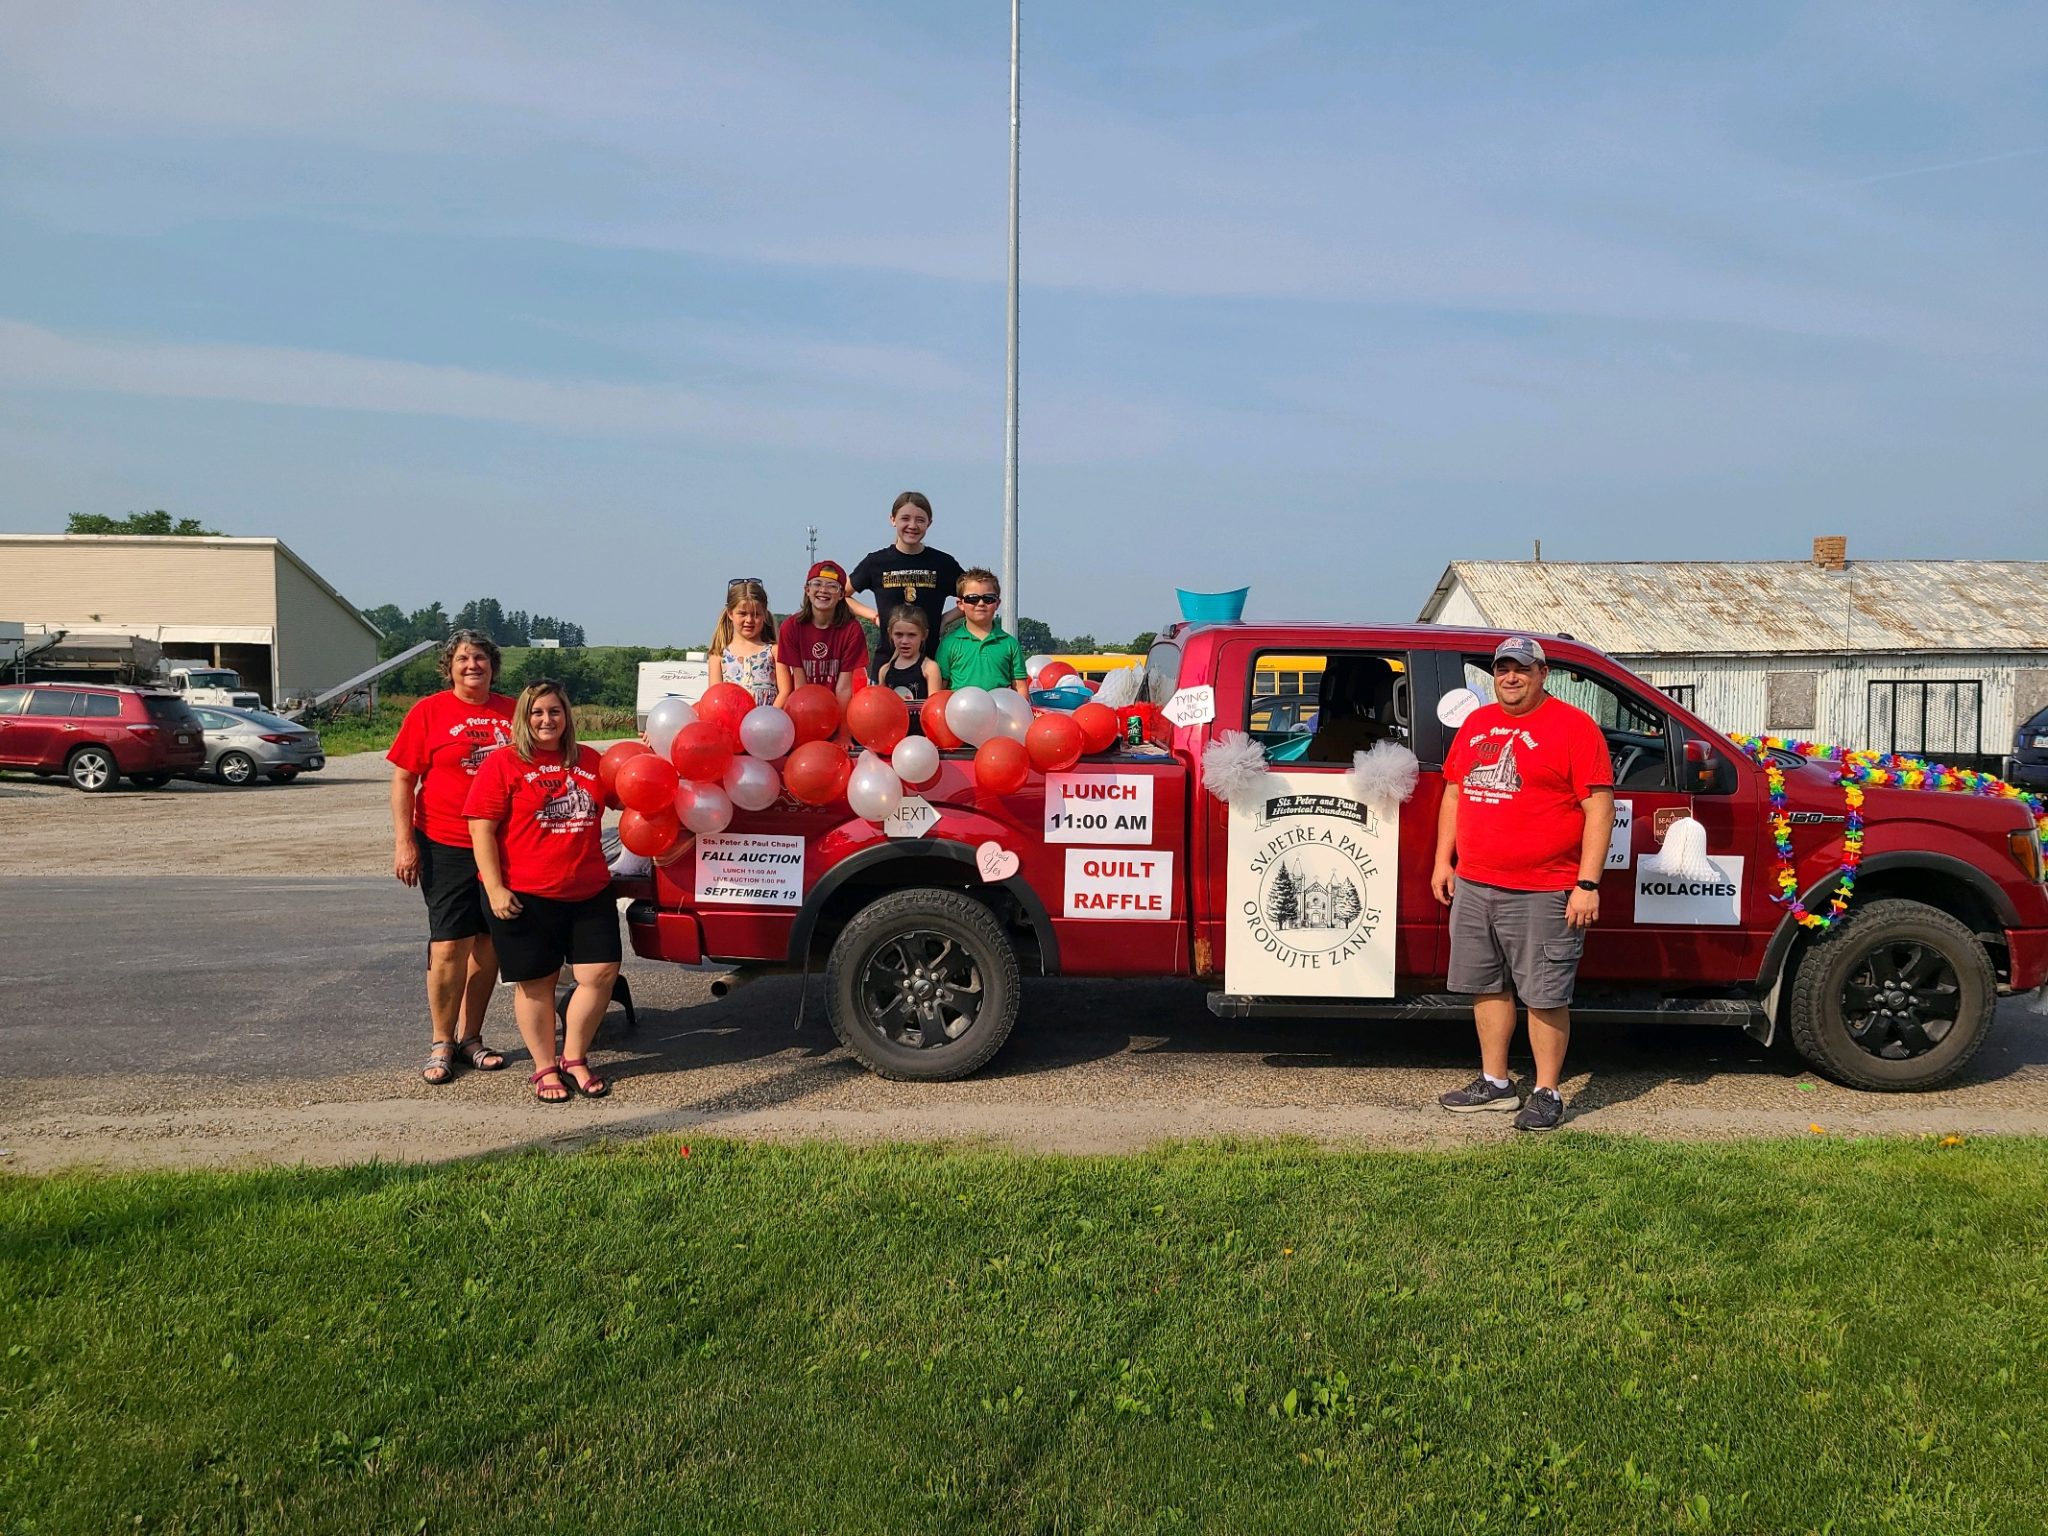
x,y
1937,658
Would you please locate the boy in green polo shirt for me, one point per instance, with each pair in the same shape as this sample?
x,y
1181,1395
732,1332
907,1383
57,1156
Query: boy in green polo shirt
x,y
977,653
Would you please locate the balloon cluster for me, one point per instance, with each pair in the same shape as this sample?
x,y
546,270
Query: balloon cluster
x,y
699,764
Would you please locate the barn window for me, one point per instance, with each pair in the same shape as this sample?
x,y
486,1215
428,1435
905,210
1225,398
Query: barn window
x,y
1791,702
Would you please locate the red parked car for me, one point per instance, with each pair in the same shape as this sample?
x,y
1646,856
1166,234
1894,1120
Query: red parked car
x,y
96,735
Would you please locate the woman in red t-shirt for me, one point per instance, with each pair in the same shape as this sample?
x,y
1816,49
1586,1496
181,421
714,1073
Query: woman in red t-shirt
x,y
443,741
824,644
535,814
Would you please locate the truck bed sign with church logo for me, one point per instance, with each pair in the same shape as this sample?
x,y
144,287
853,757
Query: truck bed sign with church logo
x,y
1311,894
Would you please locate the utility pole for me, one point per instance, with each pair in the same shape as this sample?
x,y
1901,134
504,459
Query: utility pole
x,y
1010,594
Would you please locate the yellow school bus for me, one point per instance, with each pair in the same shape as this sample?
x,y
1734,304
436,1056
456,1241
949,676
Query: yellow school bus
x,y
1277,674
1096,668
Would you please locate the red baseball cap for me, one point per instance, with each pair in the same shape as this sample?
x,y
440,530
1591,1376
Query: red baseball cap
x,y
826,570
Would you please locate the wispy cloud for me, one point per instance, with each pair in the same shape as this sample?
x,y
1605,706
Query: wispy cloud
x,y
1074,429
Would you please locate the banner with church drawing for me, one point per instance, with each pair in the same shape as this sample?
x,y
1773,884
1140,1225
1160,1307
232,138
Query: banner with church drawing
x,y
1311,892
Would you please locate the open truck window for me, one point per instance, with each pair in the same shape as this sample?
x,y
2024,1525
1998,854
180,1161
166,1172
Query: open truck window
x,y
1360,698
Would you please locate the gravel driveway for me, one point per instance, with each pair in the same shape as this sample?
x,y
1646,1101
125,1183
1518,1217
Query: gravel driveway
x,y
260,1001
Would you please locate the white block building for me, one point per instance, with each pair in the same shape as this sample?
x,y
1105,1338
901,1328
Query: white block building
x,y
1936,658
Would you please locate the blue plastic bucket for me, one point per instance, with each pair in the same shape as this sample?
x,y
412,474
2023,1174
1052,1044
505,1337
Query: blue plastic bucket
x,y
1212,607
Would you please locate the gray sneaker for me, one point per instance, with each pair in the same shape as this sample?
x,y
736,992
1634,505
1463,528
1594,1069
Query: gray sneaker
x,y
1480,1094
1543,1112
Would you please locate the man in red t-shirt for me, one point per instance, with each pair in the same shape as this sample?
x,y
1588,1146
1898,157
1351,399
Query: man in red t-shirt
x,y
1527,810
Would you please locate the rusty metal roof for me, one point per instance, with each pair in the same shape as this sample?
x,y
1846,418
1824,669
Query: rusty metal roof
x,y
1763,606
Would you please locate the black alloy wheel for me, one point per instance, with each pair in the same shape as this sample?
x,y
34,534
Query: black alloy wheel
x,y
1898,996
1902,1000
923,985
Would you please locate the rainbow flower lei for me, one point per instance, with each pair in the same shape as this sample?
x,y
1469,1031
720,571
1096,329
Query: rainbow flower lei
x,y
1854,772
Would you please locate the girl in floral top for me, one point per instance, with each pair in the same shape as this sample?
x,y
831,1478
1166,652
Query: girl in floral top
x,y
741,650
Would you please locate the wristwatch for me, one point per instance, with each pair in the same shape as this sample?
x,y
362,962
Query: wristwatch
x,y
1589,885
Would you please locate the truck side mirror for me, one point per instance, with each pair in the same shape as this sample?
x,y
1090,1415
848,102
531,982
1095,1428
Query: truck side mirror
x,y
1707,772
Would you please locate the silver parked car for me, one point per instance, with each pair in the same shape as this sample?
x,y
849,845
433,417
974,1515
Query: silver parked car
x,y
242,744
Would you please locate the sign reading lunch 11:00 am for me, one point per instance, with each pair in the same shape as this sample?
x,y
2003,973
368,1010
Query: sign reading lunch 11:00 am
x,y
1310,894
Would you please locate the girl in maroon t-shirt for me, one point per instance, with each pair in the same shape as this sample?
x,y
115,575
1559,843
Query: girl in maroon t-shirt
x,y
535,813
445,739
825,643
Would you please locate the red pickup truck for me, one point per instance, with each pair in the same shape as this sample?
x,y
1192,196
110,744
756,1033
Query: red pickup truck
x,y
1309,903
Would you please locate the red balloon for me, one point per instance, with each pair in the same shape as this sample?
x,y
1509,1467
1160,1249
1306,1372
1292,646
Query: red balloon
x,y
608,766
1054,743
932,716
1001,765
702,750
649,836
1050,674
1098,726
817,771
646,783
725,705
878,718
814,710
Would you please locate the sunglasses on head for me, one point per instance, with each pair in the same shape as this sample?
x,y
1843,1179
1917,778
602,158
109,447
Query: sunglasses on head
x,y
979,598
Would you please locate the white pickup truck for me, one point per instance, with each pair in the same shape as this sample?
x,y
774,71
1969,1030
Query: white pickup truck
x,y
213,685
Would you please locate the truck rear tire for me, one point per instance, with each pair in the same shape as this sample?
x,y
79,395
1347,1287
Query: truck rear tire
x,y
1898,996
923,986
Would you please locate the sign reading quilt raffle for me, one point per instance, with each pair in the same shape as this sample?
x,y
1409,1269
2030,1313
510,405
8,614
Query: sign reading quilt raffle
x,y
750,869
1098,808
1310,894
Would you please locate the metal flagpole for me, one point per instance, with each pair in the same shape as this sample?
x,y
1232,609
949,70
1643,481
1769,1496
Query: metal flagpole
x,y
1010,597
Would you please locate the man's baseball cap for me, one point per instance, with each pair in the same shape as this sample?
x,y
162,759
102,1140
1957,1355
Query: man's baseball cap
x,y
826,570
1523,649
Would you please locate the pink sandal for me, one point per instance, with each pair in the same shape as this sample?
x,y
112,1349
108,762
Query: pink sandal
x,y
593,1087
561,1085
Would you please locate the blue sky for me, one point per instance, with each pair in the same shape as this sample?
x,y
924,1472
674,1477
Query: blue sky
x,y
592,307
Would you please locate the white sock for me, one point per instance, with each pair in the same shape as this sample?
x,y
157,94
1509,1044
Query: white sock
x,y
1498,1082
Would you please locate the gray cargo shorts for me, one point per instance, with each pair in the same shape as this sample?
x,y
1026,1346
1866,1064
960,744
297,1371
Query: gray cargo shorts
x,y
1514,941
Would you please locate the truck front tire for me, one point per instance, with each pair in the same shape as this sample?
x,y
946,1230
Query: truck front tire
x,y
923,986
1896,997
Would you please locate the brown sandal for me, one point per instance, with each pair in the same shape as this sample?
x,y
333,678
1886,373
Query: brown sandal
x,y
591,1087
440,1067
561,1094
479,1055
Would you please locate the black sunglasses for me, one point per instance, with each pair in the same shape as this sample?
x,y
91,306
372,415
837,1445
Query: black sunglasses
x,y
978,598
744,581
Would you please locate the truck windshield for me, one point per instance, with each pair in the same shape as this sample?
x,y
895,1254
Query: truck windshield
x,y
213,680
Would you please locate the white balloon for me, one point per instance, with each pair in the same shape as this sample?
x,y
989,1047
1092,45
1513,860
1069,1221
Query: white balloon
x,y
711,811
766,732
1033,665
667,717
972,715
874,791
686,797
915,759
752,784
1015,711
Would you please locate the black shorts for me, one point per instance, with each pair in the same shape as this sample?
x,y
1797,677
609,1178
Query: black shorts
x,y
548,933
455,897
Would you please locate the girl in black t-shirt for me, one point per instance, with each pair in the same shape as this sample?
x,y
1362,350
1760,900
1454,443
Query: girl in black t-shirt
x,y
903,665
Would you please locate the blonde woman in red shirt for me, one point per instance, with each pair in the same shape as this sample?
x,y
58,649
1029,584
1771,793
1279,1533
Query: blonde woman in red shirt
x,y
535,813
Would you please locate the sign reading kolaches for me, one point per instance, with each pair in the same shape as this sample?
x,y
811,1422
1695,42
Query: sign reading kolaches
x,y
1311,893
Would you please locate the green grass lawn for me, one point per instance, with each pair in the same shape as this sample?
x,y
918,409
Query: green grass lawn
x,y
1579,1335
